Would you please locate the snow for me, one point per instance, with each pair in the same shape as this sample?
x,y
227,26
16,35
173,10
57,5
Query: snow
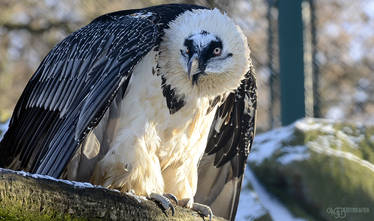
x,y
335,138
326,127
249,209
322,145
256,203
267,143
75,184
38,176
322,125
352,141
293,153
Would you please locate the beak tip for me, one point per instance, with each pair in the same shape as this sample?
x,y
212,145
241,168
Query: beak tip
x,y
189,65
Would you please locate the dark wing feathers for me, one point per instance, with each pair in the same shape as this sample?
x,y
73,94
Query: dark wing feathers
x,y
70,91
232,130
77,81
231,135
75,84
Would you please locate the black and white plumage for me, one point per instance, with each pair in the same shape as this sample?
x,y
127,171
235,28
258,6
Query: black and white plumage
x,y
133,100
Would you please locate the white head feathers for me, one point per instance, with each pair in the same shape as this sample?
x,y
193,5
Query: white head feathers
x,y
222,76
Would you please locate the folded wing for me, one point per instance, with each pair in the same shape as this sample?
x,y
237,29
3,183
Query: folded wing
x,y
71,90
231,135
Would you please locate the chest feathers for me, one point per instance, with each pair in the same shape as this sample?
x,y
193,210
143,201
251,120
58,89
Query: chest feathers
x,y
174,127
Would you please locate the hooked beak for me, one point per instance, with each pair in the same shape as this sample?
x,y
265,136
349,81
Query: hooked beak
x,y
190,63
201,67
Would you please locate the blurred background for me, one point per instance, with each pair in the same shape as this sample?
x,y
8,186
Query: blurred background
x,y
313,58
338,48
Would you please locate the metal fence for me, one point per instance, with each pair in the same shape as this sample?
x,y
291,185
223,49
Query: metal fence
x,y
338,59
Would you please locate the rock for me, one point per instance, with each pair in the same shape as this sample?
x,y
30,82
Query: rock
x,y
319,169
250,207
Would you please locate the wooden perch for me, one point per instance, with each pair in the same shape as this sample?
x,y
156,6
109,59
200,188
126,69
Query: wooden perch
x,y
36,197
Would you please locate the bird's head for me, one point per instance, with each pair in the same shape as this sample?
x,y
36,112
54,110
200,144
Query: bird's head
x,y
204,52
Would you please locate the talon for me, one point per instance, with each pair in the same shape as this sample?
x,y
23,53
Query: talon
x,y
203,210
171,196
163,201
172,209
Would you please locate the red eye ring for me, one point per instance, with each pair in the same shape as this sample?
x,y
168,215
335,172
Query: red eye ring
x,y
217,51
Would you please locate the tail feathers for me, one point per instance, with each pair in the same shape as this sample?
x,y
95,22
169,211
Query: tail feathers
x,y
218,188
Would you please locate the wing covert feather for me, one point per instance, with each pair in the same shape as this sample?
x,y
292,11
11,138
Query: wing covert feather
x,y
75,83
231,135
70,91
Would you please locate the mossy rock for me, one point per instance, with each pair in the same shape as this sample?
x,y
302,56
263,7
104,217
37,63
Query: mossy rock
x,y
321,170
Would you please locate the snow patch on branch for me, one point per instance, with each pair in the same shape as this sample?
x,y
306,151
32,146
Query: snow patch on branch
x,y
45,177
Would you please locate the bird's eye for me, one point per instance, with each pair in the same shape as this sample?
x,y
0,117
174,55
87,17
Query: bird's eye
x,y
217,51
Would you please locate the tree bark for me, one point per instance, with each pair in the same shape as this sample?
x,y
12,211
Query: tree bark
x,y
25,196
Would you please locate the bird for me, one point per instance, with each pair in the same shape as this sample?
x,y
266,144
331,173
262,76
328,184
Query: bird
x,y
159,101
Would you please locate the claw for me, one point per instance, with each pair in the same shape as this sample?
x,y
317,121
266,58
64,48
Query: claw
x,y
203,210
163,201
171,196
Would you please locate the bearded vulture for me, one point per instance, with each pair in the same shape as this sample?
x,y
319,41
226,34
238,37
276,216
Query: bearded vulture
x,y
159,101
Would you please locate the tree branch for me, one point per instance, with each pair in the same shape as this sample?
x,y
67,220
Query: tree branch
x,y
36,197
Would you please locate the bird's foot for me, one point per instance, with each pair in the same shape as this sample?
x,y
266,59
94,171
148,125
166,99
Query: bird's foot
x,y
163,201
202,209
